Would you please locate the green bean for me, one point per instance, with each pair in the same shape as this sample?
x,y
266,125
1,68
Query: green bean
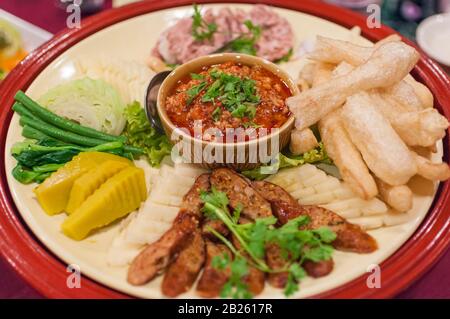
x,y
29,132
59,134
61,122
48,130
22,110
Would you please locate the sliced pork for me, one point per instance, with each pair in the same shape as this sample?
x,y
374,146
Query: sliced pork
x,y
176,45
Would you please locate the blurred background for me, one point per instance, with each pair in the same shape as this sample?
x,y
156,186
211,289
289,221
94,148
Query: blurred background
x,y
37,20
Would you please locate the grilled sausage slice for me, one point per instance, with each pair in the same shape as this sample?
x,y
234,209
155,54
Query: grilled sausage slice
x,y
156,256
213,279
216,225
350,237
181,274
276,261
255,279
240,192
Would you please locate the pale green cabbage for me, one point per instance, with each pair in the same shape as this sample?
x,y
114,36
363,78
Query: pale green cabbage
x,y
92,103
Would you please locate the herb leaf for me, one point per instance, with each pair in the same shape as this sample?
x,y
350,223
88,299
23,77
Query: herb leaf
x,y
246,43
239,96
317,155
195,91
201,30
296,244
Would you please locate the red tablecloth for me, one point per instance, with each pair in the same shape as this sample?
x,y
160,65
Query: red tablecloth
x,y
46,14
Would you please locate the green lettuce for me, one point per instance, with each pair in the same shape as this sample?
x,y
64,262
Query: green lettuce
x,y
315,156
140,133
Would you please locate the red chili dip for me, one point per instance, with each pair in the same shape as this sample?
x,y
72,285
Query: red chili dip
x,y
228,96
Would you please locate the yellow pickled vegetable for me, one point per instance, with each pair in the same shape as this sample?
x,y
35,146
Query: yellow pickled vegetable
x,y
87,183
53,193
118,196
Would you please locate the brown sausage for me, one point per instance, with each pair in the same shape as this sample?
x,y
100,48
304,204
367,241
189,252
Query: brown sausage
x,y
156,256
350,237
181,274
255,278
216,225
212,279
240,192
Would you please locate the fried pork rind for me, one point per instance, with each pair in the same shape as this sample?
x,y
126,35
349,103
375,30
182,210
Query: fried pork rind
x,y
302,141
415,127
398,197
429,170
384,152
388,65
346,156
409,92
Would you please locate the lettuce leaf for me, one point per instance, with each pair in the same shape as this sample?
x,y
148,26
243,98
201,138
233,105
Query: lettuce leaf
x,y
317,155
140,133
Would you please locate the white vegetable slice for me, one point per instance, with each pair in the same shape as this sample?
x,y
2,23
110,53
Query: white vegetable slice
x,y
392,219
349,213
303,192
371,222
329,184
343,192
374,207
306,171
317,199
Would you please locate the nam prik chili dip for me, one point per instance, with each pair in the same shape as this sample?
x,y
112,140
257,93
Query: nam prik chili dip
x,y
226,97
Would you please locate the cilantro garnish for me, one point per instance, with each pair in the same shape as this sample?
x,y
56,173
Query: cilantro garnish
x,y
296,243
246,43
286,57
195,91
201,30
250,124
237,95
216,113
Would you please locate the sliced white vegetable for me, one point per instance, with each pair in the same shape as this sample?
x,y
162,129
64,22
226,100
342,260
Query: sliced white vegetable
x,y
372,222
392,219
349,213
374,207
317,199
303,192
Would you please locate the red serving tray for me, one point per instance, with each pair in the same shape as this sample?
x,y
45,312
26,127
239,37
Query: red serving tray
x,y
47,274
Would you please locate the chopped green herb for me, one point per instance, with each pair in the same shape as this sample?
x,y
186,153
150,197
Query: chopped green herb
x,y
286,57
247,42
237,95
195,91
250,124
201,30
216,114
296,243
196,76
172,65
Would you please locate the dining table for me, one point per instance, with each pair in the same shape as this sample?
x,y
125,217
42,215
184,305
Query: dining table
x,y
50,15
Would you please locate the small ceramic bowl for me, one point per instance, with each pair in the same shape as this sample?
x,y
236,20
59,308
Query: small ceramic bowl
x,y
433,36
232,153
